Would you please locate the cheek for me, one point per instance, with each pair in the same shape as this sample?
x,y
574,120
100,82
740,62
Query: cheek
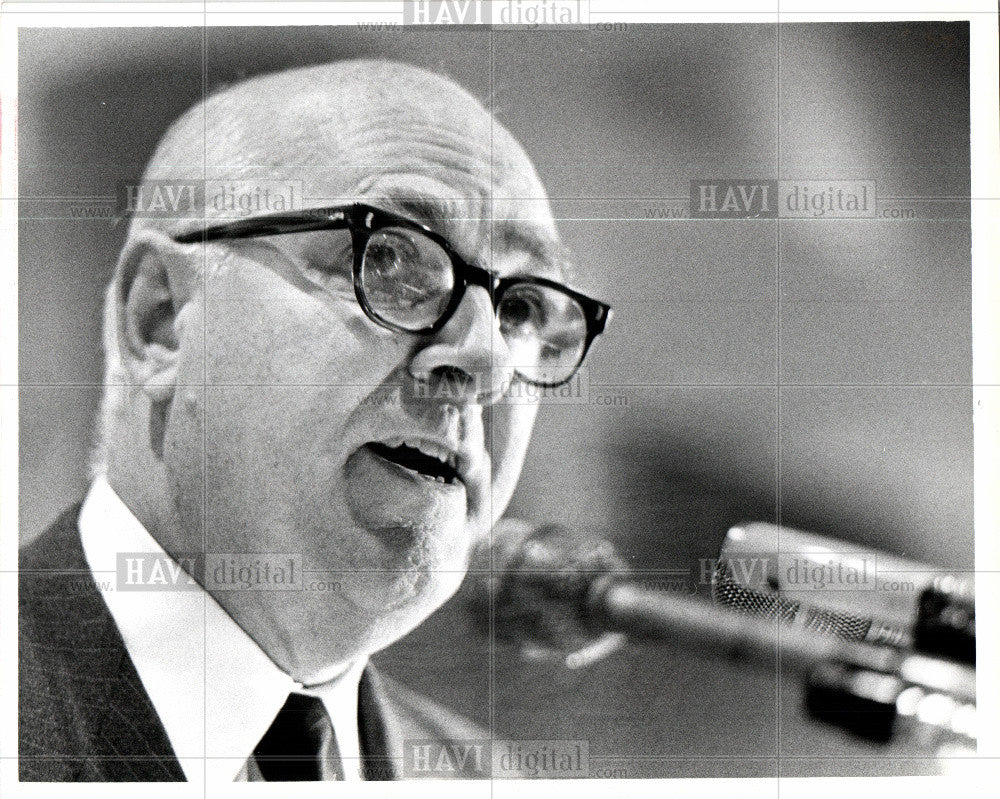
x,y
508,431
261,332
274,375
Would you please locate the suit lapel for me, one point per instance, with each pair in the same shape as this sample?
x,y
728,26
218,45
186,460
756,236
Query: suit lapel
x,y
84,714
395,722
381,744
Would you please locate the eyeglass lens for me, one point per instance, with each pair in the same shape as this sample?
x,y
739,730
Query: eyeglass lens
x,y
408,280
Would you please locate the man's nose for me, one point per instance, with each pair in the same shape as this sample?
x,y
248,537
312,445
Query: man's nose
x,y
467,357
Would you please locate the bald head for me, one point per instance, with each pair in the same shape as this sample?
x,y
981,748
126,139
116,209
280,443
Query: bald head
x,y
373,130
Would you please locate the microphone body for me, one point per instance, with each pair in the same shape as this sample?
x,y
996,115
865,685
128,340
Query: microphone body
x,y
546,587
543,582
621,605
836,588
821,584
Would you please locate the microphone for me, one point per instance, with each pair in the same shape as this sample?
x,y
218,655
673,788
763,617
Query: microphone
x,y
832,587
551,589
530,585
546,587
819,584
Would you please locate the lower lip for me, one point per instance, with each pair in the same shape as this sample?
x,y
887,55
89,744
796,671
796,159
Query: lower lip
x,y
386,497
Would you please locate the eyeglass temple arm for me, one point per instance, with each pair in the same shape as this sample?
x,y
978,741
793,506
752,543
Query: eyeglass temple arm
x,y
271,225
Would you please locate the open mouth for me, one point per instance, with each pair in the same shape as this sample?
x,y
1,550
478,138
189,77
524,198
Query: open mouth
x,y
439,468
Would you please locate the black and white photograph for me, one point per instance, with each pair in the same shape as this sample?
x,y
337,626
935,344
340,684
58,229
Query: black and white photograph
x,y
499,392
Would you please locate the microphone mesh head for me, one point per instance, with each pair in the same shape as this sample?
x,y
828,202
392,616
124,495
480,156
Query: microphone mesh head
x,y
728,591
842,625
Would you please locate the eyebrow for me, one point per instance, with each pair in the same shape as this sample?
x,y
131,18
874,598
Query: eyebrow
x,y
443,216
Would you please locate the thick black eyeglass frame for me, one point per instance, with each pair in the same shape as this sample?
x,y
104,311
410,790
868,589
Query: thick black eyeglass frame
x,y
363,220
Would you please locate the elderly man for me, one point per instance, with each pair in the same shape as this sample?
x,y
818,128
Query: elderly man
x,y
320,391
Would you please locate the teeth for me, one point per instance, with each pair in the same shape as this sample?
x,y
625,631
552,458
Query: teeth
x,y
429,448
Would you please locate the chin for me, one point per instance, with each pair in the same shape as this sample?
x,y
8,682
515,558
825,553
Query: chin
x,y
392,611
406,568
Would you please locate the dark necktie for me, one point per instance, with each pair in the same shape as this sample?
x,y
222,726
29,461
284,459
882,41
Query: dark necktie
x,y
300,744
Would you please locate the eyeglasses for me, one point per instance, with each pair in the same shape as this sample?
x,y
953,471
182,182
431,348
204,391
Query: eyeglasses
x,y
407,278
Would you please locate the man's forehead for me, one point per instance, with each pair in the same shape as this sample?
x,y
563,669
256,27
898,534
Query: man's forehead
x,y
392,135
476,187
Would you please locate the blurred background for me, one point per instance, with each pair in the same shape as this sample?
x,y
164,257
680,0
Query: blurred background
x,y
816,368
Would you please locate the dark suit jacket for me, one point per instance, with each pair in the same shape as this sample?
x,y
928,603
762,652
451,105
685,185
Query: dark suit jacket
x,y
83,712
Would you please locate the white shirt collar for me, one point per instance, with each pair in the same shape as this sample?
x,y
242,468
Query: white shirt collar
x,y
215,690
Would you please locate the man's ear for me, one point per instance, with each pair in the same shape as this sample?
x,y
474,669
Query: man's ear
x,y
150,298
